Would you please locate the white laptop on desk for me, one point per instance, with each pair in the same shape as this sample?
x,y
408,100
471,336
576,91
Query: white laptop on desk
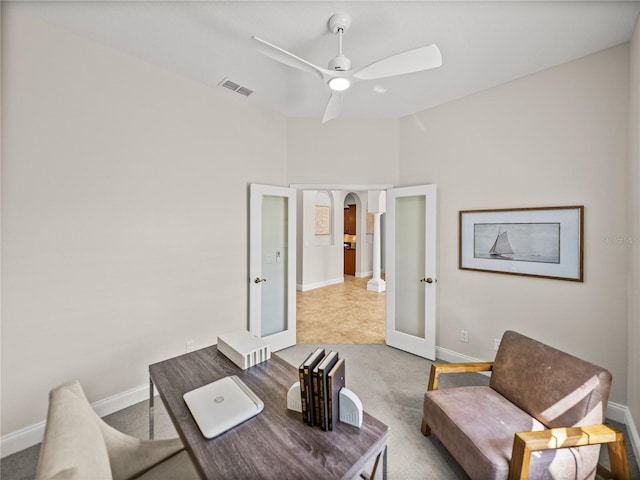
x,y
221,405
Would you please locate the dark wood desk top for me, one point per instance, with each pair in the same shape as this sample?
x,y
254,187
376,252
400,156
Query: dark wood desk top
x,y
275,444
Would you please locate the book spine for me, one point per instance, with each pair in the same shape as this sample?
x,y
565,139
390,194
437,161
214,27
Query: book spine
x,y
306,384
329,394
324,394
322,397
303,393
317,380
308,395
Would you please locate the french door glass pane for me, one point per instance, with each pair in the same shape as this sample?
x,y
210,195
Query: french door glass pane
x,y
274,264
410,265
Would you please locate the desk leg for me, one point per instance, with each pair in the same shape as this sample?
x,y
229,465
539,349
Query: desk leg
x,y
372,475
151,422
384,463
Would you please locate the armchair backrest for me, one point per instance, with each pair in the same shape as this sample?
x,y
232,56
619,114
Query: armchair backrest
x,y
73,445
556,388
78,444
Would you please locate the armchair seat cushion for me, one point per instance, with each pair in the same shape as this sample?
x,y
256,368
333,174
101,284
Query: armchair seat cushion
x,y
483,447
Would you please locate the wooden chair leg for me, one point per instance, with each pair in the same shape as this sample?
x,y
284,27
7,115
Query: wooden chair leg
x,y
425,429
618,458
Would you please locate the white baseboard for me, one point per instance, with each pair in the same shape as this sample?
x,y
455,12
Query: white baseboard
x,y
33,434
122,400
615,411
632,430
312,286
450,356
364,274
21,439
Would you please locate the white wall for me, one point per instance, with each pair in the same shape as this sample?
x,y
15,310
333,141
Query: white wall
x,y
558,137
320,257
343,151
364,240
124,214
633,398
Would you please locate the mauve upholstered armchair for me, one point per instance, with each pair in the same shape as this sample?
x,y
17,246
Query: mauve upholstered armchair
x,y
541,417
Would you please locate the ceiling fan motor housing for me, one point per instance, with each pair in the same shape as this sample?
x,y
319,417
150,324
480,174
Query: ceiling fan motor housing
x,y
340,63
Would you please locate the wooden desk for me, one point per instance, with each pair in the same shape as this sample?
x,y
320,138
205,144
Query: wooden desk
x,y
275,444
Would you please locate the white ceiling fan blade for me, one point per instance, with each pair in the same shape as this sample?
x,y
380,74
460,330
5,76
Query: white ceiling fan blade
x,y
416,60
334,107
289,58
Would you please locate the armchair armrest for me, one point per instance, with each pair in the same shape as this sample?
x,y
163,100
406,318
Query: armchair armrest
x,y
526,442
438,368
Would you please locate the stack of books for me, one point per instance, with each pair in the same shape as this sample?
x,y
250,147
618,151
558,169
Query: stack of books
x,y
321,378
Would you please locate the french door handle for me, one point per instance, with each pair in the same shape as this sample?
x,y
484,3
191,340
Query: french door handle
x,y
428,280
258,280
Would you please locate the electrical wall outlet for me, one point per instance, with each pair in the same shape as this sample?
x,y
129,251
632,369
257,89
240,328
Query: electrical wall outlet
x,y
191,346
464,336
496,344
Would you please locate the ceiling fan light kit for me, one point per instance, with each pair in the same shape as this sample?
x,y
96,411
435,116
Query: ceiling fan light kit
x,y
339,76
339,84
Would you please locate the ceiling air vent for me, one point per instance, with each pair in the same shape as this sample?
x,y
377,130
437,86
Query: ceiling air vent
x,y
226,83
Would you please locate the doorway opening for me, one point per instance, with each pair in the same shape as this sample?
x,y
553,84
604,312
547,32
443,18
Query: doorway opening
x,y
334,268
410,266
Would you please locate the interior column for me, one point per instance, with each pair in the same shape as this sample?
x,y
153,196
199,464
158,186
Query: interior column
x,y
377,206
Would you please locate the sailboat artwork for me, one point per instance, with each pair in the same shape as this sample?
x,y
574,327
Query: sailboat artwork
x,y
520,242
540,242
501,246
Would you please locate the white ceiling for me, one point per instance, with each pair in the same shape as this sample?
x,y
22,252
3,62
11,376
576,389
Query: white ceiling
x,y
483,43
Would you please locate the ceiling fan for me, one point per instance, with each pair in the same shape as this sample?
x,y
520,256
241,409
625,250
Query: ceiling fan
x,y
338,74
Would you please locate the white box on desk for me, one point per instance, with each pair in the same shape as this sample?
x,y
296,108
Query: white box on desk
x,y
243,348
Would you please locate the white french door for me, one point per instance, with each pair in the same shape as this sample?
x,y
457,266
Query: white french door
x,y
411,269
272,265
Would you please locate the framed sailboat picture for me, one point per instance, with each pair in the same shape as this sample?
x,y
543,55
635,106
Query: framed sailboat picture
x,y
541,242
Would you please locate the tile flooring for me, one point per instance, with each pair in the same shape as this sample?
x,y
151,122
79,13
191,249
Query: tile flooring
x,y
342,313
